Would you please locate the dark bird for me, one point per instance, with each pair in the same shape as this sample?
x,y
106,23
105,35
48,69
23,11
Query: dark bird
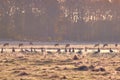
x,y
116,45
86,49
96,45
65,50
111,50
105,45
30,43
56,44
58,50
73,50
79,52
6,44
42,50
31,49
98,51
67,45
1,50
20,44
13,49
70,49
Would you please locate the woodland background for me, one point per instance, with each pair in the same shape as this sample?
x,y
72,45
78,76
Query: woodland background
x,y
60,20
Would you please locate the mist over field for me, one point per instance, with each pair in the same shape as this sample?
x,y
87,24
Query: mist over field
x,y
60,20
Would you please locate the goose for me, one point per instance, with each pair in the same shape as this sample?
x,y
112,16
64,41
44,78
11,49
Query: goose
x,y
2,50
105,45
67,45
6,44
56,45
79,52
96,45
20,44
13,49
116,45
111,50
98,51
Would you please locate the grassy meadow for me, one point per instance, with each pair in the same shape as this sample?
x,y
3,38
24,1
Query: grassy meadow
x,y
29,66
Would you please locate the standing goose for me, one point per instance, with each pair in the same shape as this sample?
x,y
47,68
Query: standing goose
x,y
98,51
111,51
116,45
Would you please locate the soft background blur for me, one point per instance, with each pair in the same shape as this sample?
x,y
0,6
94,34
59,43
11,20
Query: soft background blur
x,y
60,20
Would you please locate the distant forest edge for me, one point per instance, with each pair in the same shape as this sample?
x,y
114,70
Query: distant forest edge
x,y
60,20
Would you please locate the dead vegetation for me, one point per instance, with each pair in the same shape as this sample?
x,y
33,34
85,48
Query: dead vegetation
x,y
20,66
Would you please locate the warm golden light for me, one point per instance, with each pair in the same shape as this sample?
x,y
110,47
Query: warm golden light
x,y
110,1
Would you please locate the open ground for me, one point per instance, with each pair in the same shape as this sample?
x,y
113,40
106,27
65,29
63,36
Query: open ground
x,y
71,66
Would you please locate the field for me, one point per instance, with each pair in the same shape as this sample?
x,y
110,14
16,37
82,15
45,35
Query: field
x,y
19,66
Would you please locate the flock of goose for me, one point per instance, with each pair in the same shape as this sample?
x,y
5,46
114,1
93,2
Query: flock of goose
x,y
68,48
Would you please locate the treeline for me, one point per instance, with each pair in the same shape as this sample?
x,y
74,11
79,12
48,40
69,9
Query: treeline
x,y
60,20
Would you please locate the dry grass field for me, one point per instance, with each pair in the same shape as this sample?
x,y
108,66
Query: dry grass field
x,y
19,66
